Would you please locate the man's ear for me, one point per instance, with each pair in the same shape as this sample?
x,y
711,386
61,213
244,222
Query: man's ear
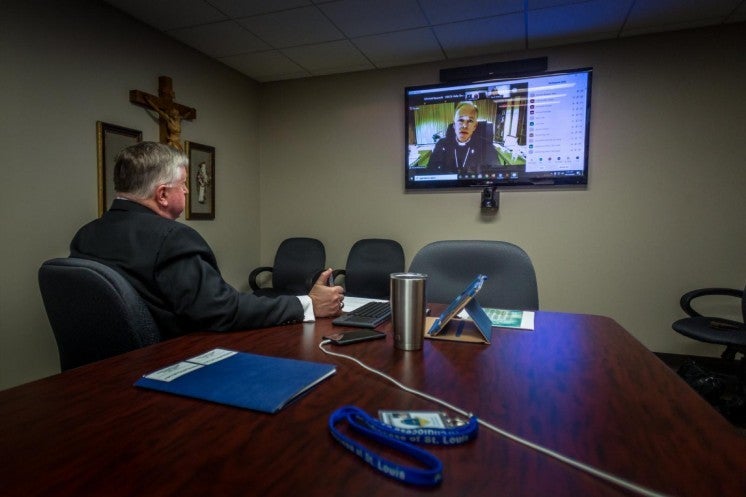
x,y
161,195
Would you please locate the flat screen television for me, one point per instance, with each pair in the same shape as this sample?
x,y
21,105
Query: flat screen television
x,y
528,131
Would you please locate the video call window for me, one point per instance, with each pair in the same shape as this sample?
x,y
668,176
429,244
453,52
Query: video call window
x,y
522,131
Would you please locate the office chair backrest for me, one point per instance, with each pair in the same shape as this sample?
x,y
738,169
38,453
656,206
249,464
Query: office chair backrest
x,y
452,264
296,261
94,311
369,266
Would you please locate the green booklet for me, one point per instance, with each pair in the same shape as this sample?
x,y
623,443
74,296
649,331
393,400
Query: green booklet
x,y
503,318
506,318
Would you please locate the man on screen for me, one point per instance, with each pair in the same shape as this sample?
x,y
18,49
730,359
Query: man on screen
x,y
463,151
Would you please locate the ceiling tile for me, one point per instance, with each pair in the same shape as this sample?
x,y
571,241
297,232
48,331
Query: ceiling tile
x,y
682,12
662,28
541,4
291,28
301,38
245,8
575,22
738,15
446,11
362,17
170,14
571,38
386,50
220,39
265,66
328,57
482,37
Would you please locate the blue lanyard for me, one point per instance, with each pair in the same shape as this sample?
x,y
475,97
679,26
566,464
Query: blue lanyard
x,y
402,441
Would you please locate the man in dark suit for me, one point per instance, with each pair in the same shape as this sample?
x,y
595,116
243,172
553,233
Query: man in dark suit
x,y
170,264
462,151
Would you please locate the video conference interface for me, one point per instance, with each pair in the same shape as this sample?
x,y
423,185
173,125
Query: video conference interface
x,y
538,125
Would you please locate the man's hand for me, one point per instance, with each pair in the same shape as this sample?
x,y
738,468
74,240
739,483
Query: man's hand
x,y
327,300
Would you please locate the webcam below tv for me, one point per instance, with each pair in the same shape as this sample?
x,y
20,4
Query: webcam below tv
x,y
520,131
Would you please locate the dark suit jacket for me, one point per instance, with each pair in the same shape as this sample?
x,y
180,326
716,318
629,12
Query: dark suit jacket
x,y
478,156
176,273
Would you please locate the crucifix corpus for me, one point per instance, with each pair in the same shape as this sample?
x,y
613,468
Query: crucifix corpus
x,y
170,113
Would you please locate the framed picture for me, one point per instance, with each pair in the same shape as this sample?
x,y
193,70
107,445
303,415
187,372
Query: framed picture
x,y
201,199
110,140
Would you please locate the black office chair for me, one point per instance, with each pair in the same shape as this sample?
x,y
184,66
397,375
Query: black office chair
x,y
452,264
370,263
95,313
296,262
711,329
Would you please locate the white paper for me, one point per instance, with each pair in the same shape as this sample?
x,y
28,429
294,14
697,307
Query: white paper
x,y
170,373
213,356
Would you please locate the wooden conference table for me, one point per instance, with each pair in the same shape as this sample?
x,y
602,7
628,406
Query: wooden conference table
x,y
578,384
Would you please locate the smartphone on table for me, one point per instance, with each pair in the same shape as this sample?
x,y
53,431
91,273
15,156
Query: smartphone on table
x,y
346,337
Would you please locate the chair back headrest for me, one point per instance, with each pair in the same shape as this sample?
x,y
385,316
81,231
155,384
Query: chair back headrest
x,y
370,263
452,264
296,261
94,311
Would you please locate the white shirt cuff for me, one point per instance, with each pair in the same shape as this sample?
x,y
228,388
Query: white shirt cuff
x,y
308,315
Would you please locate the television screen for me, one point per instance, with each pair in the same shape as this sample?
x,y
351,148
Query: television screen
x,y
521,131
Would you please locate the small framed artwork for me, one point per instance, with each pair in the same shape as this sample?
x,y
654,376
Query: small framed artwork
x,y
110,140
201,198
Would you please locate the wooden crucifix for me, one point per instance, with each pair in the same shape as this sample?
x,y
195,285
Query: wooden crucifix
x,y
170,113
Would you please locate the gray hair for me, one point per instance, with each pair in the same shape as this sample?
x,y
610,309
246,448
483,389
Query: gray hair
x,y
466,103
141,168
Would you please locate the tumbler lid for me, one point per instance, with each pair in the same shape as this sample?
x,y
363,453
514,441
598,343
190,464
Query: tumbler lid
x,y
408,276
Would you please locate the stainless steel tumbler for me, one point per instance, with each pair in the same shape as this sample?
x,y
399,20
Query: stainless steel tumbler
x,y
408,309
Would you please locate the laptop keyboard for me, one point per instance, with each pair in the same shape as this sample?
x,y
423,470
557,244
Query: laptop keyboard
x,y
367,315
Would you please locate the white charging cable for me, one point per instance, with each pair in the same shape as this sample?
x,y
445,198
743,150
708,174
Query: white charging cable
x,y
549,452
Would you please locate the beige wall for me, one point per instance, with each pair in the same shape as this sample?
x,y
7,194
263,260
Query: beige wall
x,y
663,213
61,74
323,157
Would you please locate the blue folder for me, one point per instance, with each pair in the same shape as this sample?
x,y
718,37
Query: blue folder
x,y
251,381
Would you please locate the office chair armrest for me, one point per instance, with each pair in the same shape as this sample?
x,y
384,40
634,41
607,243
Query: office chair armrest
x,y
687,298
335,273
256,272
311,280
